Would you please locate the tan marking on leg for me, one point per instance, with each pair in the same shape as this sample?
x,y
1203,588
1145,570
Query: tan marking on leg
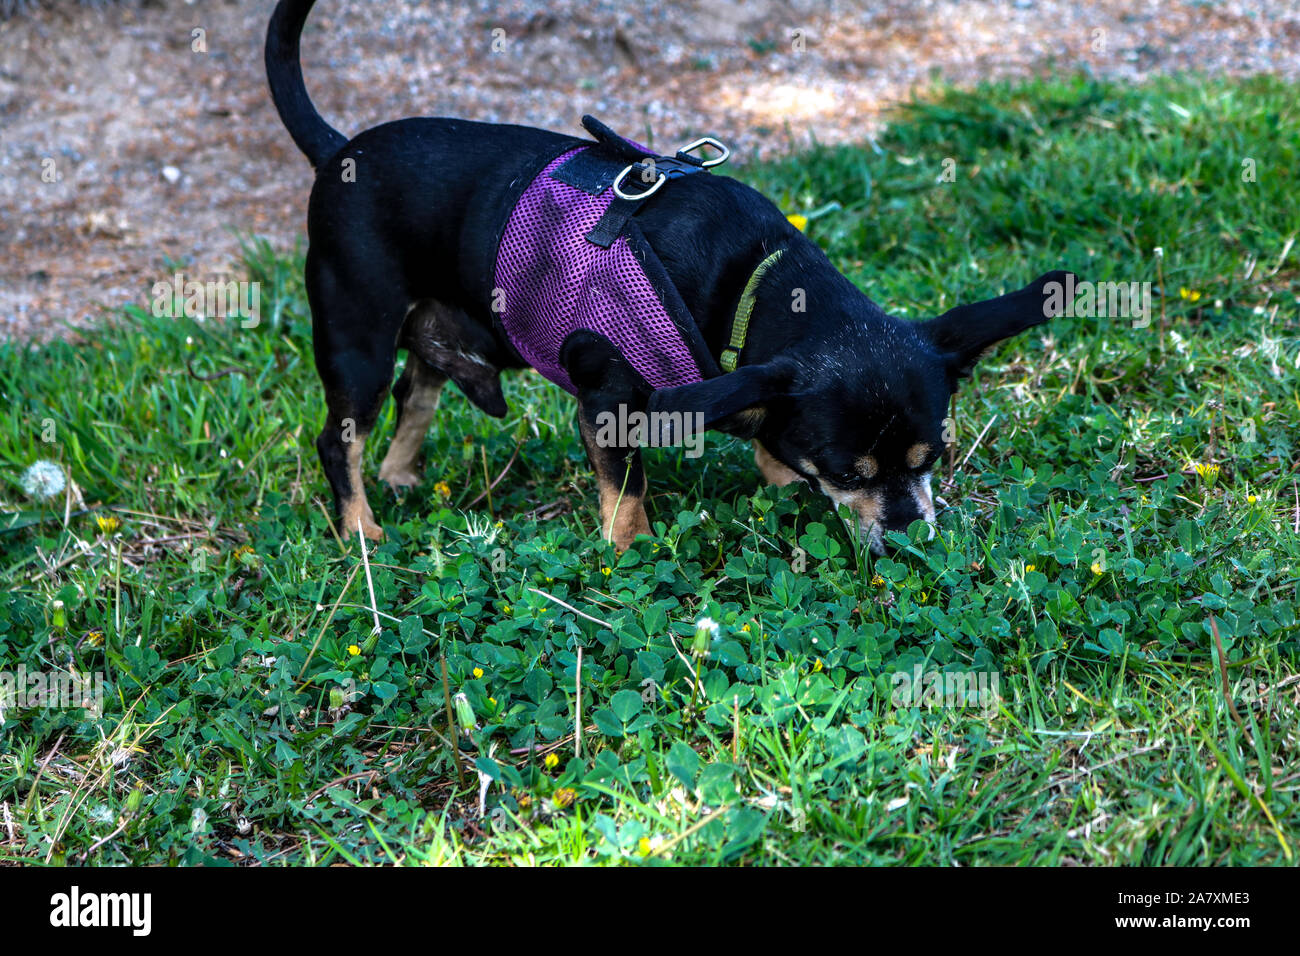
x,y
773,471
621,521
357,508
401,465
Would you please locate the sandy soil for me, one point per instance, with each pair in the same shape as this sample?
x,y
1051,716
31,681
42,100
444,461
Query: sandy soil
x,y
124,151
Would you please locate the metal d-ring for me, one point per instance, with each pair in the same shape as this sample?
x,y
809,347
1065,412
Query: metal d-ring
x,y
618,185
707,141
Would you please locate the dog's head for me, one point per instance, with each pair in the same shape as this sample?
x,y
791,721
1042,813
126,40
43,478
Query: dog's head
x,y
860,413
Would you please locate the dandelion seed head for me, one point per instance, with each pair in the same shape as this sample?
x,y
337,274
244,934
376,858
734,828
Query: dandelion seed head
x,y
43,480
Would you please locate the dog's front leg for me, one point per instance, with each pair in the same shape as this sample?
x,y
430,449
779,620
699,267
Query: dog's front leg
x,y
773,471
609,404
620,477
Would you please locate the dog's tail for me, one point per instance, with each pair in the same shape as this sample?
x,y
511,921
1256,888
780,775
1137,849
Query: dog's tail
x,y
315,137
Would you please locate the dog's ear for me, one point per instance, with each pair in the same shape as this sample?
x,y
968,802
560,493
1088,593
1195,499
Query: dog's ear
x,y
965,333
483,388
716,399
480,381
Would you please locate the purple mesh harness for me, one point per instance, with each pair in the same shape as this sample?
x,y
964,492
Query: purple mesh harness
x,y
553,280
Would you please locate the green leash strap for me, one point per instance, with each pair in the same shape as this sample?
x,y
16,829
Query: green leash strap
x,y
744,309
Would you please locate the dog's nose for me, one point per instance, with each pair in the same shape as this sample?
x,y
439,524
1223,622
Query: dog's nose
x,y
875,535
899,515
901,519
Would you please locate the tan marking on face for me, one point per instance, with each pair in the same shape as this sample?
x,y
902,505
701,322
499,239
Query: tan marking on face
x,y
807,466
867,466
747,420
867,506
356,509
924,500
400,467
774,472
917,454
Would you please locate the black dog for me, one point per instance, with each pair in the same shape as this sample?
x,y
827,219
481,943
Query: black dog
x,y
405,221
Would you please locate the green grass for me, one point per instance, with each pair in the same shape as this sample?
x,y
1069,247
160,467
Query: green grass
x,y
1081,559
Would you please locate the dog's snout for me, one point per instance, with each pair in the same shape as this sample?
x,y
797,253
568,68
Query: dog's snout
x,y
899,515
882,511
874,534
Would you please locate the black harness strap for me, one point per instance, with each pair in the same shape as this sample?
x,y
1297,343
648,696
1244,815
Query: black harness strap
x,y
618,160
612,223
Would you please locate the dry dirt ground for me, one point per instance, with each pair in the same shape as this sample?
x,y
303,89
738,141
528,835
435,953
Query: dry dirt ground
x,y
125,151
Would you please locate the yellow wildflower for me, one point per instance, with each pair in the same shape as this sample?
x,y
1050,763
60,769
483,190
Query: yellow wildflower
x,y
798,221
107,523
1208,472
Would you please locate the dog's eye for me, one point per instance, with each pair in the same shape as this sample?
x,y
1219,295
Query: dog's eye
x,y
847,479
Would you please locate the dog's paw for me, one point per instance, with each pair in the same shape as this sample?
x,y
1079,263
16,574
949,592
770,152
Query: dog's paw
x,y
627,526
360,516
399,478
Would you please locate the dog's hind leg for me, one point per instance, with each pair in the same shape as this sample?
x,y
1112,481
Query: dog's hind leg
x,y
417,393
354,336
